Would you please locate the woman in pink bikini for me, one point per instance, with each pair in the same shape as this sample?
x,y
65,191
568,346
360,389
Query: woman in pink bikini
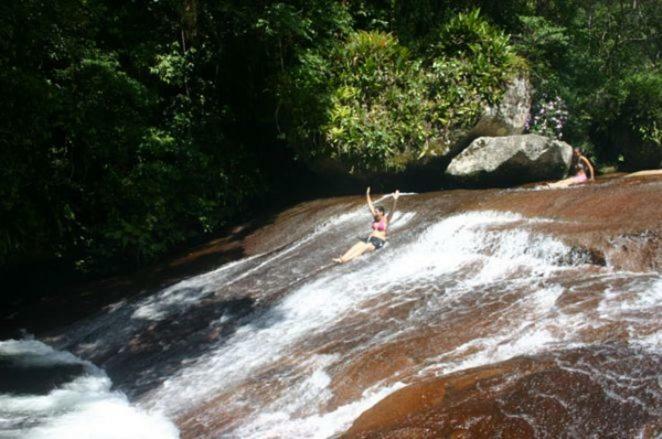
x,y
581,166
377,237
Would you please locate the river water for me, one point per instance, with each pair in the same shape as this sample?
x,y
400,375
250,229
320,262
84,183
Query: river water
x,y
282,343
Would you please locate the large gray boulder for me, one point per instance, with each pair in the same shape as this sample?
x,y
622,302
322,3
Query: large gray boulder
x,y
509,117
511,160
506,118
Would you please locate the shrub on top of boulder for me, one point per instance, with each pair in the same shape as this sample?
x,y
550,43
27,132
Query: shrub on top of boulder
x,y
379,107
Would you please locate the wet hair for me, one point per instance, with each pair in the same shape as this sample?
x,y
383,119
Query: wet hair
x,y
381,209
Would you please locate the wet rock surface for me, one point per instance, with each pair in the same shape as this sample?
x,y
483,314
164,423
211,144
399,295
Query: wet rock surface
x,y
436,335
481,314
597,391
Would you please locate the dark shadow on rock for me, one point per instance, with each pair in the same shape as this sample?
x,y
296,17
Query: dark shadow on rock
x,y
159,350
36,303
20,378
162,348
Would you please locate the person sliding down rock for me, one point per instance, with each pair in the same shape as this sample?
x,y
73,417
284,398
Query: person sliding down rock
x,y
580,166
377,237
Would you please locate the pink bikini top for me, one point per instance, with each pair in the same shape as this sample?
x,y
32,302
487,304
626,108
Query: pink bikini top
x,y
379,225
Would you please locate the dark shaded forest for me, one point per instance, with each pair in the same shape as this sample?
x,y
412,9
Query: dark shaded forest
x,y
129,128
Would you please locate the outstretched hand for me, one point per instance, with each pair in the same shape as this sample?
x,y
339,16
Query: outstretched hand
x,y
367,191
396,194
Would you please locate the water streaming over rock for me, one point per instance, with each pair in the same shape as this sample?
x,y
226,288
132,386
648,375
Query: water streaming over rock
x,y
281,343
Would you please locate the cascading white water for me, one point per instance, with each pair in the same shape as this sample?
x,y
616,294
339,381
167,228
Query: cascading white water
x,y
441,250
273,374
85,407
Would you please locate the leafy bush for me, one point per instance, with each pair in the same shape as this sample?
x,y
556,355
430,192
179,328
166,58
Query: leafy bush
x,y
642,111
377,103
467,69
628,122
371,105
469,35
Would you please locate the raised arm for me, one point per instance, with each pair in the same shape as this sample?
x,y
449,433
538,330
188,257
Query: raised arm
x,y
589,166
396,195
367,197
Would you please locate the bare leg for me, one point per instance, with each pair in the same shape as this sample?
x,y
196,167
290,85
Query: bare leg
x,y
562,183
357,250
570,181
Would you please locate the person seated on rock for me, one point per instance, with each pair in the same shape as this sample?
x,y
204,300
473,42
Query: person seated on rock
x,y
377,237
580,165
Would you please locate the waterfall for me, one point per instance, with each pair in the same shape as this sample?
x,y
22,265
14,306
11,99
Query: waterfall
x,y
272,345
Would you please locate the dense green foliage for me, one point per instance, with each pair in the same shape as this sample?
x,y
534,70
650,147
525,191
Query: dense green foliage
x,y
379,106
599,56
109,145
130,127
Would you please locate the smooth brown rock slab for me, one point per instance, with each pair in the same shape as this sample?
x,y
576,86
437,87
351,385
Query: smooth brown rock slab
x,y
606,391
613,223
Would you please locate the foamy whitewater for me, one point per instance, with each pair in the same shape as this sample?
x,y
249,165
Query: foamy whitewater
x,y
84,407
270,367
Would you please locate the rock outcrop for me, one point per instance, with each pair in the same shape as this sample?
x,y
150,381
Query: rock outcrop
x,y
510,115
511,160
506,118
498,400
